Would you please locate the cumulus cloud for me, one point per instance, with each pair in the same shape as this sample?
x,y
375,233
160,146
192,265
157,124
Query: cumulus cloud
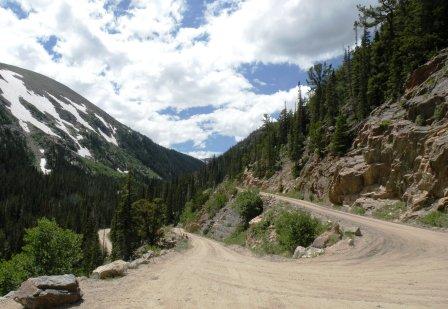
x,y
136,61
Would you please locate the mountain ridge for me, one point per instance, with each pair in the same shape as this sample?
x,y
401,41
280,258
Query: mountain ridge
x,y
49,113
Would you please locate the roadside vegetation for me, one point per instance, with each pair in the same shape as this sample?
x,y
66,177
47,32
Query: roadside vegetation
x,y
249,205
208,202
436,218
282,230
48,250
390,212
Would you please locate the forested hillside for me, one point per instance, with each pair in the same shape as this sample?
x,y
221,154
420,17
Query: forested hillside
x,y
64,158
396,37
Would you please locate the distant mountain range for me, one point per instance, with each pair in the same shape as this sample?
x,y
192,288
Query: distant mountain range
x,y
49,116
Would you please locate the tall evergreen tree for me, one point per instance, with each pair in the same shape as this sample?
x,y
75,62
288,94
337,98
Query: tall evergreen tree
x,y
340,139
123,234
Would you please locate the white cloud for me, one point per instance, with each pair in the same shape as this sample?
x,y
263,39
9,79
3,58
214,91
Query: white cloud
x,y
203,154
137,64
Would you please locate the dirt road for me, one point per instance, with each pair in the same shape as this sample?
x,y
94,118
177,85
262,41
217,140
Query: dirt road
x,y
393,266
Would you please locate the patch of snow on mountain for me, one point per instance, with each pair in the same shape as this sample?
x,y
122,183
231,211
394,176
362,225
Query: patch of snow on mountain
x,y
110,139
13,89
84,152
71,108
102,120
78,106
43,164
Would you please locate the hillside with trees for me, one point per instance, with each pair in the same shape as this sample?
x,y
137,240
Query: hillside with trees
x,y
396,37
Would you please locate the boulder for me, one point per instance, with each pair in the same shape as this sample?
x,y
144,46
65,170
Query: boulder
x,y
255,220
136,263
10,295
354,230
48,291
148,256
299,252
145,259
442,204
313,252
330,237
114,269
351,242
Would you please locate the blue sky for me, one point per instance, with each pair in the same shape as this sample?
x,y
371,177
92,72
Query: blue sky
x,y
193,75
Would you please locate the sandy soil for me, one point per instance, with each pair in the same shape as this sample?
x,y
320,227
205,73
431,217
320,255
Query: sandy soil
x,y
392,266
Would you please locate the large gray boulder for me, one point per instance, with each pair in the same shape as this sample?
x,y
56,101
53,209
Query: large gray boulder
x,y
312,252
48,291
299,252
115,269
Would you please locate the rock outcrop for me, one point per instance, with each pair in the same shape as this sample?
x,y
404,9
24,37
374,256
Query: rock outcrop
x,y
400,153
48,291
115,269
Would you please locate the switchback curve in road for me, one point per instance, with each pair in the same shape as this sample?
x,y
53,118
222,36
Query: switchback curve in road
x,y
392,266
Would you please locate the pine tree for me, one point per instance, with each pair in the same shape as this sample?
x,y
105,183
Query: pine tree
x,y
331,100
123,234
317,77
340,140
92,254
283,122
362,109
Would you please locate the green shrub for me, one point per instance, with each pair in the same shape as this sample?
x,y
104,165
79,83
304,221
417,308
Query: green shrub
x,y
438,112
385,124
48,250
52,249
14,272
420,121
390,212
216,201
220,197
249,205
188,214
296,229
436,218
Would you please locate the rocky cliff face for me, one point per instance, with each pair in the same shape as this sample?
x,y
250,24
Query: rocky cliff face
x,y
400,152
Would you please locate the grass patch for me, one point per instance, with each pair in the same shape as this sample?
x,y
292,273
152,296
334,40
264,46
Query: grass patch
x,y
358,210
436,218
295,194
390,212
385,124
238,237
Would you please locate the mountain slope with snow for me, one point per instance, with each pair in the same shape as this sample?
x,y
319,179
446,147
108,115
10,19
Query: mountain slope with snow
x,y
48,115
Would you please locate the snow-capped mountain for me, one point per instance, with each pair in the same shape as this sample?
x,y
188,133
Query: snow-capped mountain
x,y
48,114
